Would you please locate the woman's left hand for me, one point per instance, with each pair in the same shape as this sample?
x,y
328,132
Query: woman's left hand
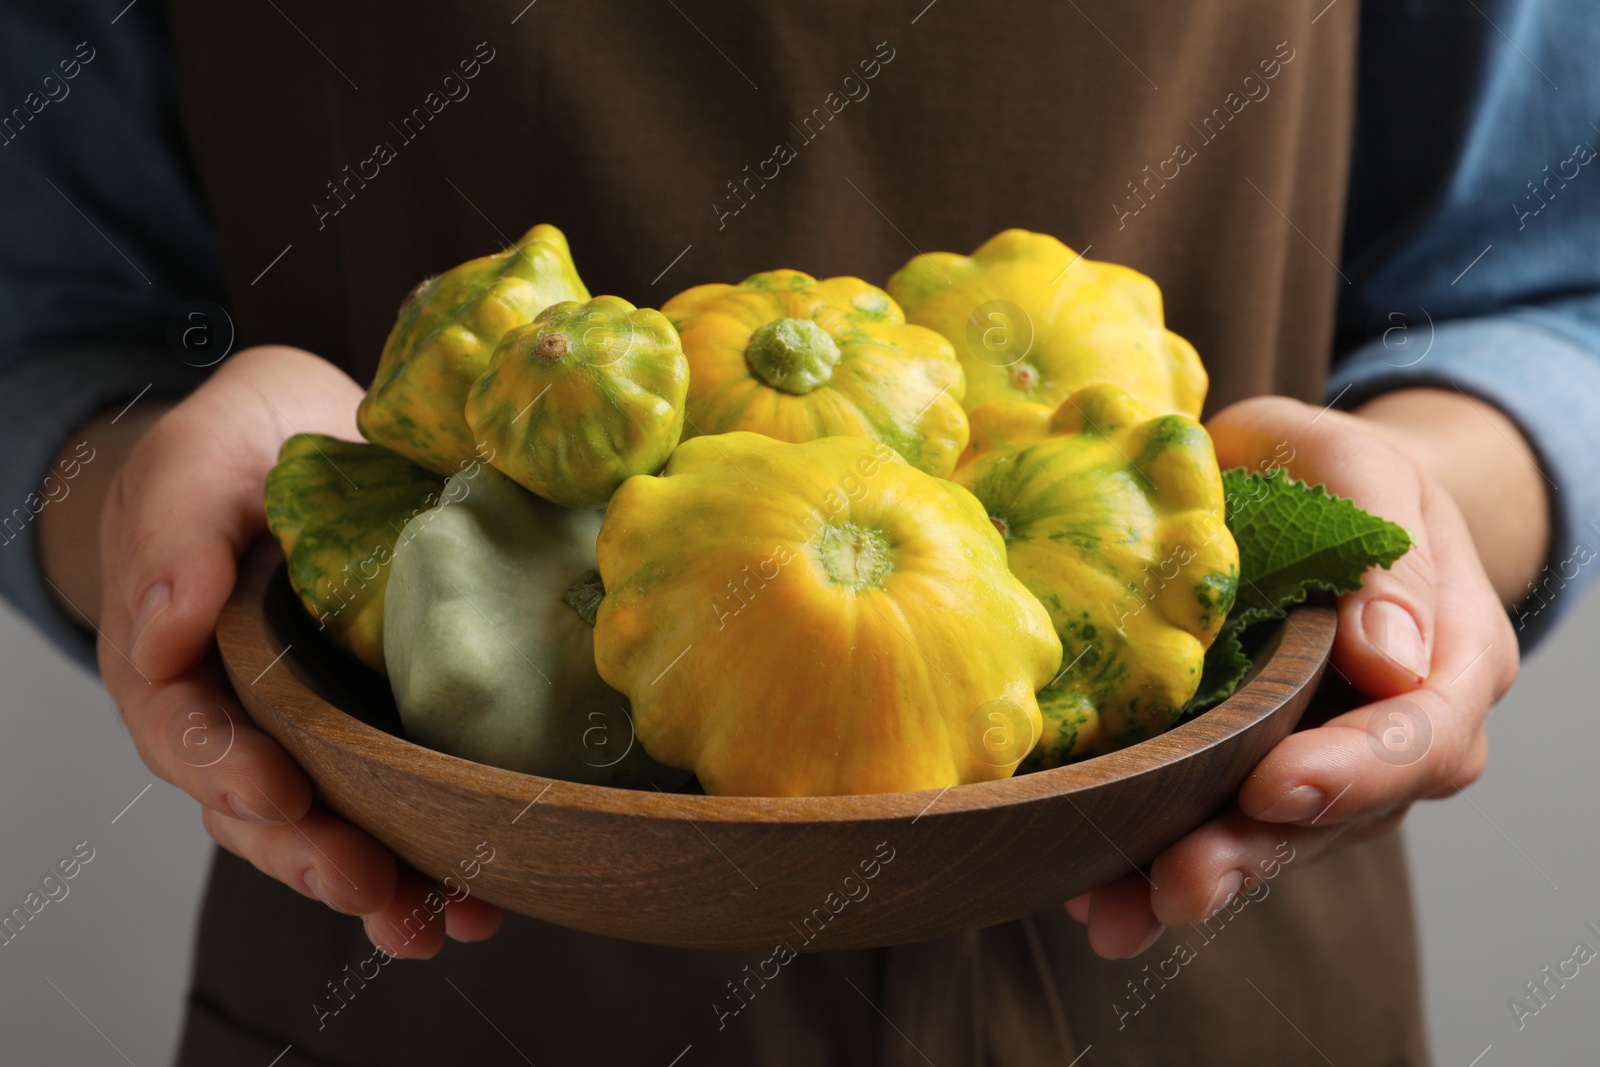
x,y
1429,640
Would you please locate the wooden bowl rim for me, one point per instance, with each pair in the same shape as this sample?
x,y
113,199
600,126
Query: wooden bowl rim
x,y
248,644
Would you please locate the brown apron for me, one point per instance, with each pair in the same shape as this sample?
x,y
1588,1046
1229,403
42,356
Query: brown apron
x,y
349,149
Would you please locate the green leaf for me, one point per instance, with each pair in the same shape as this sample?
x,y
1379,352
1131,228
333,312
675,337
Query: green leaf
x,y
1293,539
1224,668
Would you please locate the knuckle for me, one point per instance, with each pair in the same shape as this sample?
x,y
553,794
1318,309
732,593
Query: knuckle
x,y
1471,768
1417,570
1463,758
202,732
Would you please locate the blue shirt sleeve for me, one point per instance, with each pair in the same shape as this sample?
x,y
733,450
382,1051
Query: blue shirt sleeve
x,y
1472,244
103,235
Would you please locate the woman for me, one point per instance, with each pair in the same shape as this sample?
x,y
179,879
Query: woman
x,y
346,151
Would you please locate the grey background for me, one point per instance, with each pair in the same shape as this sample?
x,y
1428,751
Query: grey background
x,y
1506,875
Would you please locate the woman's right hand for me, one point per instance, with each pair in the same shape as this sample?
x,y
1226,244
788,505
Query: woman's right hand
x,y
182,508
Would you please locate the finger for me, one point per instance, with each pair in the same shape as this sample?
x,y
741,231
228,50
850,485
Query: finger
x,y
410,926
1233,859
1121,922
1469,770
1078,907
1419,744
1386,629
1366,760
471,919
193,734
320,856
1208,868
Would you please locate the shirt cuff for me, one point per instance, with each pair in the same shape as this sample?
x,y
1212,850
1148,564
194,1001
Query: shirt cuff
x,y
1550,387
41,401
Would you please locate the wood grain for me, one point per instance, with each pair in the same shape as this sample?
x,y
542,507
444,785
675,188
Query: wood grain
x,y
746,873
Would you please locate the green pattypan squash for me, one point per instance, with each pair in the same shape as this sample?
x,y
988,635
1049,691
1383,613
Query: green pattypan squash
x,y
441,343
488,656
581,398
336,508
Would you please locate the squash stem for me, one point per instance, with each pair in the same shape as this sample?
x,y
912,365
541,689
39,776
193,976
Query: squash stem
x,y
585,595
551,347
794,355
855,556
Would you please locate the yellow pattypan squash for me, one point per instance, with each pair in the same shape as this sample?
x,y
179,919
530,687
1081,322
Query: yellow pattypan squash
x,y
1005,424
441,343
794,358
1032,320
1114,520
819,618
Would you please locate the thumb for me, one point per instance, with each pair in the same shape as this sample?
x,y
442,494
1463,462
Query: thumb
x,y
183,508
1384,643
189,500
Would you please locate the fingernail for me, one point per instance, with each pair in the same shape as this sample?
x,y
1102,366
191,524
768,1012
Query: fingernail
x,y
155,601
1228,887
239,809
313,883
1301,802
1393,631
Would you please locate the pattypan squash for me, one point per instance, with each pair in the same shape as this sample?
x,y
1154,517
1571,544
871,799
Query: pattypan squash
x,y
336,508
581,398
794,358
1114,520
1032,320
488,655
817,618
1000,424
441,342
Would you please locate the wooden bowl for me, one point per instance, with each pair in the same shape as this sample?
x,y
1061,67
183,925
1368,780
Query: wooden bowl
x,y
745,873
